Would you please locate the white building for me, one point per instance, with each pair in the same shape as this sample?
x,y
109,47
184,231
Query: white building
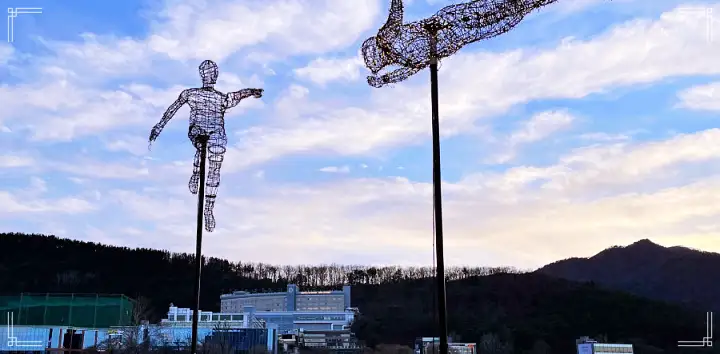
x,y
283,321
585,345
291,300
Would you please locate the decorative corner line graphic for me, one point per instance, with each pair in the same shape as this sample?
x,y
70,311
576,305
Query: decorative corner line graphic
x,y
707,341
13,13
12,340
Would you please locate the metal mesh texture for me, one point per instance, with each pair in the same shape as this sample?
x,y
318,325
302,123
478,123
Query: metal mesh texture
x,y
207,121
410,46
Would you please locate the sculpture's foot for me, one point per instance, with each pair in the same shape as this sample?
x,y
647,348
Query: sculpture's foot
x,y
209,222
194,183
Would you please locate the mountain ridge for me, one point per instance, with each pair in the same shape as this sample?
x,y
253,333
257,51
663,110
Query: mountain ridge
x,y
676,274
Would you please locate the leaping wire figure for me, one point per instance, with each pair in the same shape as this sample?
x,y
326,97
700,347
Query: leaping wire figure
x,y
420,44
412,45
207,121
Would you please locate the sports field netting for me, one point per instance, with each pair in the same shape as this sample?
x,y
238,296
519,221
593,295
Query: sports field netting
x,y
72,310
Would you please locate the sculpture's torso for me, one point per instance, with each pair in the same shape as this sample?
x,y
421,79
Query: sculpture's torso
x,y
454,26
207,109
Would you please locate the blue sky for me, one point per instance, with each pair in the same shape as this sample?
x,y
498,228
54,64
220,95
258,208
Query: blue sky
x,y
591,124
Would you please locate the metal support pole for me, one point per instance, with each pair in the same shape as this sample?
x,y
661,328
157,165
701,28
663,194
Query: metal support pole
x,y
203,140
437,199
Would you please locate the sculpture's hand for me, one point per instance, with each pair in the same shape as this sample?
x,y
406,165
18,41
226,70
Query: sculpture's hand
x,y
154,134
377,81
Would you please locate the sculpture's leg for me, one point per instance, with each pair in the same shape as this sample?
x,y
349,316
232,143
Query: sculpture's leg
x,y
195,131
195,178
216,154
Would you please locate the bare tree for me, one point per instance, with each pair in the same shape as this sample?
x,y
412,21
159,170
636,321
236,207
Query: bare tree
x,y
135,338
540,347
393,349
490,343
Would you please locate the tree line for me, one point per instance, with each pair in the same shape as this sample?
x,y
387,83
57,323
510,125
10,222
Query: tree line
x,y
504,310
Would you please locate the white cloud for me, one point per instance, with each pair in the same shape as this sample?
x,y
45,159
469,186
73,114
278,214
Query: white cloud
x,y
101,170
336,169
37,187
612,192
702,97
603,137
132,144
538,127
14,205
508,216
10,161
6,53
625,168
60,111
322,71
107,55
636,52
218,29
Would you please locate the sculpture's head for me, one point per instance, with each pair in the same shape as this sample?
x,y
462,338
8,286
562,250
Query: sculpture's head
x,y
208,72
374,57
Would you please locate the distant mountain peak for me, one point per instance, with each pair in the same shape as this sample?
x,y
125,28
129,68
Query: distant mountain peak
x,y
645,243
648,269
641,248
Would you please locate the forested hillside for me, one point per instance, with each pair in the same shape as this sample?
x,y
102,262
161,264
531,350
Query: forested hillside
x,y
677,274
505,310
38,263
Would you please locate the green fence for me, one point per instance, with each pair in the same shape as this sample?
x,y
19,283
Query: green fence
x,y
72,310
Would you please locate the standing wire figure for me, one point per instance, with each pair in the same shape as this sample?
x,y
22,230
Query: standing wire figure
x,y
207,121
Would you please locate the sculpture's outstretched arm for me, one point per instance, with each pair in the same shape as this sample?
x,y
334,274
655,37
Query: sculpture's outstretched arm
x,y
169,113
392,77
233,98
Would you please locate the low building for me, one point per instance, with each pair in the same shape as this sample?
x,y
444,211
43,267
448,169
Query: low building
x,y
335,341
291,300
57,323
286,322
431,345
586,345
177,316
463,348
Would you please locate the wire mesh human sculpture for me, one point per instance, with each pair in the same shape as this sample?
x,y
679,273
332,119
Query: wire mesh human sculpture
x,y
412,45
207,120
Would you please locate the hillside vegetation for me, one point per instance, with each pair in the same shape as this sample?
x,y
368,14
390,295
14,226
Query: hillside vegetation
x,y
504,310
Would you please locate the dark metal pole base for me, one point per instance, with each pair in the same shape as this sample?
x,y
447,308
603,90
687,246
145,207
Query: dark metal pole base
x,y
203,140
437,201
